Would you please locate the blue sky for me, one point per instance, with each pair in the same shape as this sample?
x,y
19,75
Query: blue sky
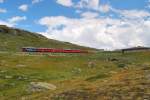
x,y
84,22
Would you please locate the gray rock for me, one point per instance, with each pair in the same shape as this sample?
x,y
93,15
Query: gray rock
x,y
8,77
20,65
40,86
3,71
76,70
148,77
91,64
112,72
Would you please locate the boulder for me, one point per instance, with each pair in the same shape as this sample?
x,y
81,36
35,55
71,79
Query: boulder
x,y
8,77
21,65
40,86
91,64
76,70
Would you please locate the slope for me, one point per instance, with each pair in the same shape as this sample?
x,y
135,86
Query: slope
x,y
12,39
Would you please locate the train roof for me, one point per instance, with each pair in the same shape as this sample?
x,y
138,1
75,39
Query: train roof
x,y
51,48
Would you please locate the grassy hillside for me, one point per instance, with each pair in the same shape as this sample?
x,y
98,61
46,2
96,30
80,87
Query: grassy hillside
x,y
93,76
14,39
101,76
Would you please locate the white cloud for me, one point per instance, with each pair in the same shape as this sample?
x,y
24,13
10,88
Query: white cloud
x,y
6,23
66,3
94,4
86,4
2,1
89,14
91,4
129,28
148,4
23,7
11,22
36,1
104,8
16,19
3,10
132,14
135,13
108,33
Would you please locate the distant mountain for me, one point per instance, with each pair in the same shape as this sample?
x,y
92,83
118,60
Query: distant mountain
x,y
12,39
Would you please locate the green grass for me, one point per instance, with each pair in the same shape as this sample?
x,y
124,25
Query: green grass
x,y
24,69
96,77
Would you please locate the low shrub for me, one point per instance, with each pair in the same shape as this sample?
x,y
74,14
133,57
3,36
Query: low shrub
x,y
121,65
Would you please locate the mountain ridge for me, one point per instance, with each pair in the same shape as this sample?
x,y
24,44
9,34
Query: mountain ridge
x,y
13,39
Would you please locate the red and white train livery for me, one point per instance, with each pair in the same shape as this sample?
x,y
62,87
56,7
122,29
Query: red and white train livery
x,y
52,50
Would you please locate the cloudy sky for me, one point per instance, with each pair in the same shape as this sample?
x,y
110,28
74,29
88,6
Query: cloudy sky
x,y
108,24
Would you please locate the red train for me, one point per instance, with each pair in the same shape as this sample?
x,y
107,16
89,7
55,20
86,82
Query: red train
x,y
52,50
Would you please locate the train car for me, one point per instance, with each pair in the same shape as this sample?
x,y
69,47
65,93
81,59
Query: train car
x,y
51,50
29,49
72,51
